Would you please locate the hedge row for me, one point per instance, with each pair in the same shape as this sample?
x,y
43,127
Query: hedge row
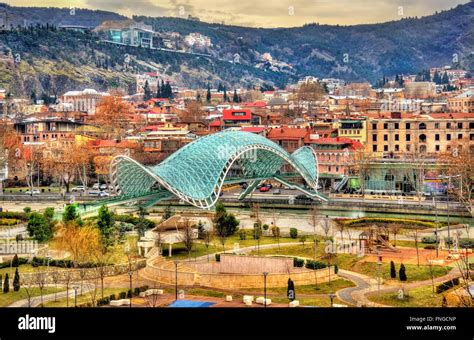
x,y
21,260
40,261
14,215
365,220
149,224
122,295
9,221
310,264
447,285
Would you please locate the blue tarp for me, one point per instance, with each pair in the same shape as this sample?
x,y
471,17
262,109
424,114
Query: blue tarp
x,y
191,304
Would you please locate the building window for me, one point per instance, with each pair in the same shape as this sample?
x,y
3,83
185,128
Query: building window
x,y
397,137
397,126
337,169
437,147
408,147
471,136
374,148
459,125
448,136
459,135
385,126
437,136
397,147
436,125
407,126
374,137
385,137
408,137
385,148
448,125
422,126
422,138
374,126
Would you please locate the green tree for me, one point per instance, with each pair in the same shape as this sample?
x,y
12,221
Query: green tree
x,y
445,79
6,284
146,91
106,222
26,210
70,213
225,224
225,95
393,271
16,281
402,273
38,228
294,233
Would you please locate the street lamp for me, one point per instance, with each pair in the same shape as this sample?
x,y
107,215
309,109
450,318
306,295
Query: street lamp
x,y
176,279
379,266
265,289
130,274
332,296
75,294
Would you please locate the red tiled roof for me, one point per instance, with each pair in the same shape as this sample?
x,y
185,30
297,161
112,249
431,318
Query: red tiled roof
x,y
288,133
338,141
254,129
229,114
216,122
255,104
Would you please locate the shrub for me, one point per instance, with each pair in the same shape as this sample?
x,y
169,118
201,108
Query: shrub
x,y
6,284
136,291
428,239
122,295
8,221
15,261
297,262
447,285
26,210
336,269
16,281
402,273
143,288
466,243
129,293
294,233
393,271
14,215
369,220
265,227
112,297
310,264
218,257
430,246
243,235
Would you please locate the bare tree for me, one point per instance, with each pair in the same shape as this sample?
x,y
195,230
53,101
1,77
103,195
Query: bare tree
x,y
28,285
55,278
395,229
414,235
67,278
40,281
187,236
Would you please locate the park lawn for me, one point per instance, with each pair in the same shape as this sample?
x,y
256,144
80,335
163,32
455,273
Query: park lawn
x,y
10,297
413,272
199,249
317,301
26,268
417,297
85,297
321,288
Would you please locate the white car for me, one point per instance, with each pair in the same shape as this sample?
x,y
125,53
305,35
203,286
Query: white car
x,y
98,193
103,187
96,186
32,192
79,188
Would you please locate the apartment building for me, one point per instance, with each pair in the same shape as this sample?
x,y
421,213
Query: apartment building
x,y
398,134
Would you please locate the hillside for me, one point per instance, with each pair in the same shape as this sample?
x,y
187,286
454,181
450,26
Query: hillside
x,y
48,59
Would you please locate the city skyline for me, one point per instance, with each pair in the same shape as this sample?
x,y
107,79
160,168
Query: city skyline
x,y
245,13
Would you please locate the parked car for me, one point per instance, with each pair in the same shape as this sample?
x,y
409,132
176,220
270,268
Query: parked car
x,y
244,186
96,186
276,192
98,193
79,188
32,192
264,189
103,187
269,185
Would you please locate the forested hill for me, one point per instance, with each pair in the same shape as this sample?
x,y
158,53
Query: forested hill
x,y
47,59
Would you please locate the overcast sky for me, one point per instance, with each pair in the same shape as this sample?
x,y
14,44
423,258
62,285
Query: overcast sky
x,y
263,13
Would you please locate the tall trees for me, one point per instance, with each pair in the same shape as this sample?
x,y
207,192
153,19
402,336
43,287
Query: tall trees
x,y
113,115
146,91
225,224
39,227
208,94
105,222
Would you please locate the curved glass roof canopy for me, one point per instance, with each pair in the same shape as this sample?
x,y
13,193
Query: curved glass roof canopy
x,y
197,172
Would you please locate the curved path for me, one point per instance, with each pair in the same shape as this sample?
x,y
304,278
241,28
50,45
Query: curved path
x,y
36,301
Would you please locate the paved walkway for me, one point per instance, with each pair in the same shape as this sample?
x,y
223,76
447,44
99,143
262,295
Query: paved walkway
x,y
36,301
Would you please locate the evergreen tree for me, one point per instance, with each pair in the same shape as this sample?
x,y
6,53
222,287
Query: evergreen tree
x,y
70,213
401,81
168,90
15,261
6,284
437,78
105,222
225,95
158,91
146,91
235,98
162,88
33,97
16,281
393,272
402,273
445,79
220,88
208,95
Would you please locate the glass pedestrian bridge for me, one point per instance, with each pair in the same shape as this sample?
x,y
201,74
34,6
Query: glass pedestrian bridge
x,y
197,172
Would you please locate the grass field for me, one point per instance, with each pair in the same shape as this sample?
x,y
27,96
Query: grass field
x,y
417,297
10,297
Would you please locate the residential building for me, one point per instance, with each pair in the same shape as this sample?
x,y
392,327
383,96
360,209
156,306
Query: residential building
x,y
82,101
462,103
